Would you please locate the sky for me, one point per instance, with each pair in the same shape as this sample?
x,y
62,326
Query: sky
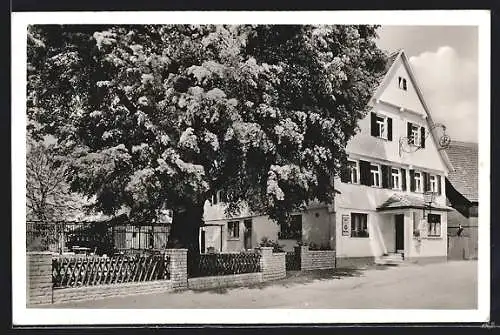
x,y
445,62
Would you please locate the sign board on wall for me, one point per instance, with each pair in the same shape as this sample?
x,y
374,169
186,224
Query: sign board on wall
x,y
346,225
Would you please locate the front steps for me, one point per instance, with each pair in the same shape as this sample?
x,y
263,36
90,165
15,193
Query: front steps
x,y
390,259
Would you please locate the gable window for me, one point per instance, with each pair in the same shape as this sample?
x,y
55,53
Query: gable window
x,y
416,135
376,175
434,225
233,229
353,167
396,179
418,182
381,126
402,83
291,230
359,225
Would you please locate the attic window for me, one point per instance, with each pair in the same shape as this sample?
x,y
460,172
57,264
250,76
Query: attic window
x,y
402,83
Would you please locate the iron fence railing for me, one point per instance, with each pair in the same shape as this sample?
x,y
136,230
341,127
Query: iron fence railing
x,y
96,237
202,265
95,270
292,261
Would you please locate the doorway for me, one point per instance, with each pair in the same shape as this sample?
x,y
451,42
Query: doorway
x,y
400,232
202,246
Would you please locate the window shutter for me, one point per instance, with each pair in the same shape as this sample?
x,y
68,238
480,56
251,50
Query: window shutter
x,y
422,137
344,173
389,129
364,172
412,180
408,132
389,177
403,179
427,182
385,176
439,184
374,125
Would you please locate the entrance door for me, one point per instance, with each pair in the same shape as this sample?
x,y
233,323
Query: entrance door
x,y
399,221
202,238
247,236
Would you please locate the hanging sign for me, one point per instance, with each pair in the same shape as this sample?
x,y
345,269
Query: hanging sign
x,y
346,225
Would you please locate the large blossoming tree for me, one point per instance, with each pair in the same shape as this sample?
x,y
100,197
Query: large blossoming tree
x,y
155,116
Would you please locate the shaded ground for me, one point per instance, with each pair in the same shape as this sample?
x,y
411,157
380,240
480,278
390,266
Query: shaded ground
x,y
451,285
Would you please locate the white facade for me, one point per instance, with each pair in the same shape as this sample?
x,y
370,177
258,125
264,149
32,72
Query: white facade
x,y
402,105
357,226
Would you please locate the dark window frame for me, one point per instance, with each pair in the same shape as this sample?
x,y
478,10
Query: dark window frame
x,y
291,230
361,230
233,230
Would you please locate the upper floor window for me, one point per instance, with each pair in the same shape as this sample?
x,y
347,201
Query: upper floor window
x,y
381,126
402,83
418,182
433,183
396,178
353,167
416,135
219,196
376,175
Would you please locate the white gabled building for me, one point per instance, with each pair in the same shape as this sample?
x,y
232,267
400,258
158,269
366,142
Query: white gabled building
x,y
393,160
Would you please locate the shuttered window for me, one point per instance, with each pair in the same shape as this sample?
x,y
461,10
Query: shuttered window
x,y
381,126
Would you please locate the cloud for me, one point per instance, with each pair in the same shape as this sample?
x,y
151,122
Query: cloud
x,y
450,87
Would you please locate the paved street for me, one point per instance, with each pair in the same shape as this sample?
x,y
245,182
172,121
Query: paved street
x,y
451,285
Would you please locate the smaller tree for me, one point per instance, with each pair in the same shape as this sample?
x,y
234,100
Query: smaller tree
x,y
48,196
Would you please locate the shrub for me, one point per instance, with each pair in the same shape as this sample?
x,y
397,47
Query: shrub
x,y
265,242
324,246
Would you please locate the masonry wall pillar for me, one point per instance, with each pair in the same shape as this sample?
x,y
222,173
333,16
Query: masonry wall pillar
x,y
38,278
272,265
178,268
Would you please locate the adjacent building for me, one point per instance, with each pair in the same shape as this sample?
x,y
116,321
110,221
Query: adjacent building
x,y
462,192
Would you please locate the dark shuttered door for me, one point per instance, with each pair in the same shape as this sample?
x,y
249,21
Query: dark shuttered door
x,y
403,179
422,137
374,127
412,180
389,129
364,173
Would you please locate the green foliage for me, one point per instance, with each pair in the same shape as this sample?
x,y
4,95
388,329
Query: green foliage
x,y
265,242
159,115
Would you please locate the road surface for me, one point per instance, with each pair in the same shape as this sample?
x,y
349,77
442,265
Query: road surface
x,y
451,285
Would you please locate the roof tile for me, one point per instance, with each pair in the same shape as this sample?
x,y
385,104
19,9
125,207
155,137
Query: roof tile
x,y
464,157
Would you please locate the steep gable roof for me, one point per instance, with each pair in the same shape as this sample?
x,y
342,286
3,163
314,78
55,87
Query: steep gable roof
x,y
390,69
464,178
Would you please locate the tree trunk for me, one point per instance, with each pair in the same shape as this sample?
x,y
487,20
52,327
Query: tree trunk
x,y
185,228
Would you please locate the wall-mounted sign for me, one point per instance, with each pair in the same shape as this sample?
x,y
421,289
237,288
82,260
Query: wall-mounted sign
x,y
346,225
